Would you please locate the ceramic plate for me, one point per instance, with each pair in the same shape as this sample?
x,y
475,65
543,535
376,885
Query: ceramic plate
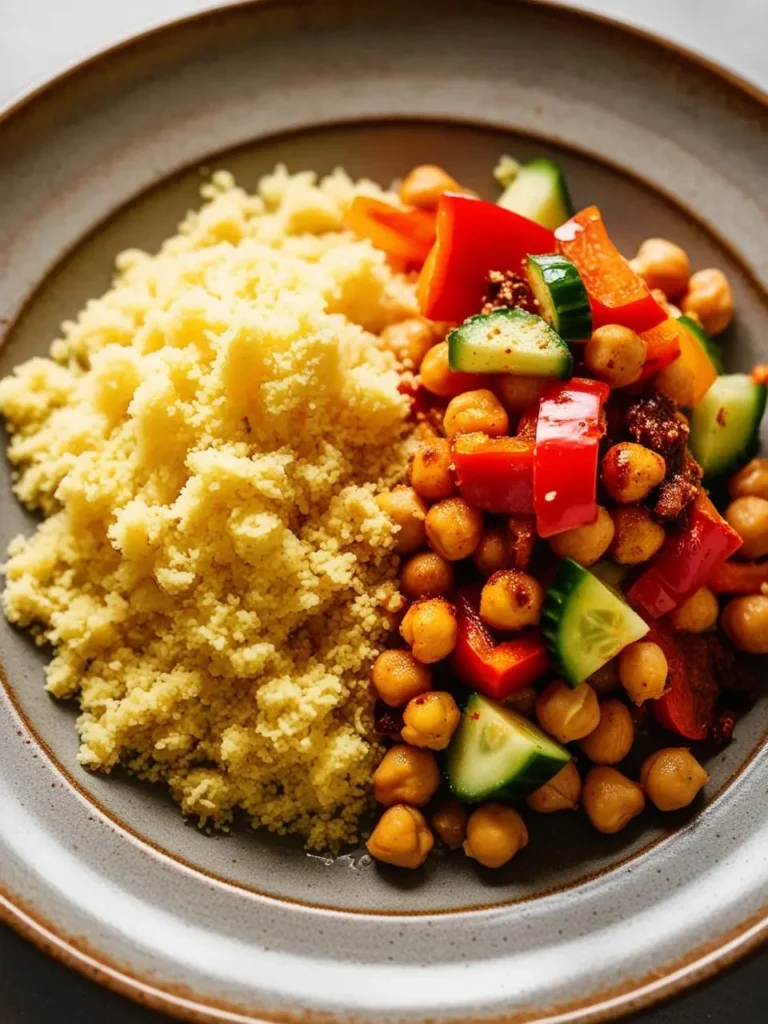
x,y
102,871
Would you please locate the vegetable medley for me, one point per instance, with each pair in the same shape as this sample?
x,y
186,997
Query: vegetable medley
x,y
569,574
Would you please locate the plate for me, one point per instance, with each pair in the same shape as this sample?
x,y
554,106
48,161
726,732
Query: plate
x,y
102,871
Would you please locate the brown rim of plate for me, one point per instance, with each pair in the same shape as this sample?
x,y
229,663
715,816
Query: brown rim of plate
x,y
609,1004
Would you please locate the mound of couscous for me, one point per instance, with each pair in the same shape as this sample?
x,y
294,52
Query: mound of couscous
x,y
214,573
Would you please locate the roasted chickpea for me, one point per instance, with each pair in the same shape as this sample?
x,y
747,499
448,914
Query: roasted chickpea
x,y
523,701
664,265
749,518
476,412
697,614
429,628
423,186
401,837
671,778
431,720
568,714
410,340
495,833
677,382
561,793
751,481
492,553
426,575
518,394
454,528
511,599
637,536
449,823
612,740
630,471
745,620
709,296
398,677
407,511
431,469
606,679
585,544
643,671
615,355
406,775
610,799
438,377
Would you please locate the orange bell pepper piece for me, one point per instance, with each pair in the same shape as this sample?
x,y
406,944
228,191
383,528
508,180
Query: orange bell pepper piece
x,y
403,232
663,346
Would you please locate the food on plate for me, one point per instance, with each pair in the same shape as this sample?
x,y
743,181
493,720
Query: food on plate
x,y
399,497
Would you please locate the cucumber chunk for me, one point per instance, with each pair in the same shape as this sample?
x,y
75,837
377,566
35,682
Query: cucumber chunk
x,y
725,425
563,301
710,346
496,753
540,193
509,341
585,623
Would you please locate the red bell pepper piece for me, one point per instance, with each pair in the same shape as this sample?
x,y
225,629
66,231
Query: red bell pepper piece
x,y
405,233
568,435
688,705
495,473
473,238
662,346
739,578
617,294
495,669
685,560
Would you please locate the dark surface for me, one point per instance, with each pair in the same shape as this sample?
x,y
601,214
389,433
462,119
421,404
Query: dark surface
x,y
37,990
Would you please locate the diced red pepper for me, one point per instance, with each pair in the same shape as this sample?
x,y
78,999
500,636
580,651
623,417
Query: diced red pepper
x,y
662,346
685,561
689,703
568,433
739,578
495,473
402,232
494,669
617,294
473,238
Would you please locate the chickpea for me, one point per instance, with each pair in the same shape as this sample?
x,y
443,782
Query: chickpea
x,y
643,671
423,186
511,599
677,382
637,535
407,511
671,778
406,775
610,799
454,528
697,614
585,544
518,394
401,838
752,480
449,822
492,553
523,701
430,630
616,355
431,720
630,472
399,677
495,833
438,377
709,296
431,469
606,679
426,575
745,620
476,412
561,793
612,740
749,518
664,265
410,340
568,714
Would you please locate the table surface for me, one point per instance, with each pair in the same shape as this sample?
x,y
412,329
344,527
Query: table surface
x,y
36,990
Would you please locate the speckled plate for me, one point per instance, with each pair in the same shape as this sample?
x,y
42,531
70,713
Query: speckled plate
x,y
103,872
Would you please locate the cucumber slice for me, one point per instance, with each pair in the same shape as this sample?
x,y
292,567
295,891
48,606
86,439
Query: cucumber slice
x,y
563,301
725,425
710,346
540,193
509,341
610,573
585,623
498,754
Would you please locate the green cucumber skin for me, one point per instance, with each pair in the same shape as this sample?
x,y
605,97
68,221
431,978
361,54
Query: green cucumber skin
x,y
734,448
710,346
467,356
531,777
552,206
563,301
